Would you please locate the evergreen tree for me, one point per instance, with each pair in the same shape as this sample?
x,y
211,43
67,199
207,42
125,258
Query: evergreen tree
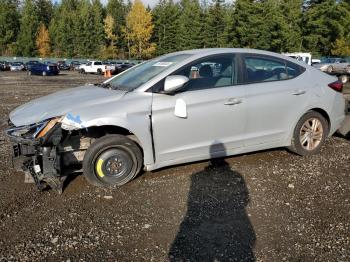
x,y
64,30
9,26
214,29
98,25
324,22
190,27
45,11
28,29
118,10
166,27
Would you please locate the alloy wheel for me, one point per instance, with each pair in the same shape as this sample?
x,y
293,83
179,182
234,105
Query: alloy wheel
x,y
311,134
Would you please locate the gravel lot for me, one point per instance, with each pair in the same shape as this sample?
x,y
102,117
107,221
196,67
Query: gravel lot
x,y
265,206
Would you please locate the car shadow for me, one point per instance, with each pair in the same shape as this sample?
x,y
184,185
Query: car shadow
x,y
216,226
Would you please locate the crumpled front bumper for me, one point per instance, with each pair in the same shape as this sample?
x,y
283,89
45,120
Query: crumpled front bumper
x,y
37,158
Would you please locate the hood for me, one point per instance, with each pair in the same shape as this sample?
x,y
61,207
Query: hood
x,y
61,103
319,65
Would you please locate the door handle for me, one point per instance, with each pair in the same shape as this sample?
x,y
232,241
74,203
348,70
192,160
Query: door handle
x,y
299,92
233,101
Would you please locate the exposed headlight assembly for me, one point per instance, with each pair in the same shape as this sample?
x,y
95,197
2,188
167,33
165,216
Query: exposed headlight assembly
x,y
37,130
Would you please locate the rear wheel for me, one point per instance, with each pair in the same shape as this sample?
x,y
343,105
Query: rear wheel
x,y
112,160
309,134
82,71
99,71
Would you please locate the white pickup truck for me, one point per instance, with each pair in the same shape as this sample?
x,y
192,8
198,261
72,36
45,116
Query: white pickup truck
x,y
96,67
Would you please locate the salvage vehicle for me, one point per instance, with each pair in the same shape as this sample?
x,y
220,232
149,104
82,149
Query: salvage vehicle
x,y
17,66
29,64
4,66
96,67
47,69
333,64
176,109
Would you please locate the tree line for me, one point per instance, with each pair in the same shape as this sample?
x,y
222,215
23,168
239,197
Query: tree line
x,y
86,28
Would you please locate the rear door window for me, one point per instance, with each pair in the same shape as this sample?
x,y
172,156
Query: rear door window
x,y
266,69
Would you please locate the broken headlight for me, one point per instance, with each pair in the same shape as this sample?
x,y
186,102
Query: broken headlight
x,y
33,131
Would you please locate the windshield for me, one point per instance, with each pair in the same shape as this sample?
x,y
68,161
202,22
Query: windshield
x,y
329,60
140,74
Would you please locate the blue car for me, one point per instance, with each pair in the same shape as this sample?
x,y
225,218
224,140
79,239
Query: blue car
x,y
43,69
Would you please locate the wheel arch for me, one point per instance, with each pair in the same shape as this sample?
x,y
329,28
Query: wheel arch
x,y
325,115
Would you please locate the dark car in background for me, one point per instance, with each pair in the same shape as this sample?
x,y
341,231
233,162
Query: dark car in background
x,y
44,69
122,67
74,65
4,66
29,64
62,65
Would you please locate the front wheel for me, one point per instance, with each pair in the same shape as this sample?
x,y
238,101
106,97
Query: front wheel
x,y
112,160
309,134
330,69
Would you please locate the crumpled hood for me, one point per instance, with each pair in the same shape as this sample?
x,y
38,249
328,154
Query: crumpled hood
x,y
61,103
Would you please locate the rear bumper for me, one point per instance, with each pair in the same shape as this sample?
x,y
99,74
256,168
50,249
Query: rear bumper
x,y
345,126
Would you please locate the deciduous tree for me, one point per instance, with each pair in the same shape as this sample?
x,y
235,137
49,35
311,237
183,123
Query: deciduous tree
x,y
43,41
138,31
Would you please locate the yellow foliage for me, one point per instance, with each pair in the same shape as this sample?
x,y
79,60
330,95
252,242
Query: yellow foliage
x,y
110,50
138,31
109,28
341,47
43,41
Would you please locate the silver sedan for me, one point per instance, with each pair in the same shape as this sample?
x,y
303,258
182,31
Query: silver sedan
x,y
332,65
177,108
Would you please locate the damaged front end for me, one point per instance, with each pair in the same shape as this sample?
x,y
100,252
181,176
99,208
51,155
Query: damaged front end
x,y
44,151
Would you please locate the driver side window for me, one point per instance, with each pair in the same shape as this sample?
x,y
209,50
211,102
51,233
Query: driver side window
x,y
208,73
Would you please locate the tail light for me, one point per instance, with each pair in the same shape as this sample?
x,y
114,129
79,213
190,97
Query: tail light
x,y
336,86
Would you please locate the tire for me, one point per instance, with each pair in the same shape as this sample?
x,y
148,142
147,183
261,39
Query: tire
x,y
330,69
314,139
347,69
112,160
99,71
44,73
82,71
343,78
29,73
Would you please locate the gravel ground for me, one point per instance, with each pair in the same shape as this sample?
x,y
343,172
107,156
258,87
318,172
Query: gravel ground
x,y
265,206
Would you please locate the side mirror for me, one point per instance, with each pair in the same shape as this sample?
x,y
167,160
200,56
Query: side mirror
x,y
174,83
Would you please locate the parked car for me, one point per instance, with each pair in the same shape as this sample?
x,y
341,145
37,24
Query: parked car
x,y
74,65
62,65
163,112
334,64
17,66
4,66
96,67
48,69
122,67
28,65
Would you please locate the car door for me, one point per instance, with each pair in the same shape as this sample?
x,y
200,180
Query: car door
x,y
215,113
275,97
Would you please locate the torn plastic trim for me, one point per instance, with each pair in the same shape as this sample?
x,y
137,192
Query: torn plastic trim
x,y
71,122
